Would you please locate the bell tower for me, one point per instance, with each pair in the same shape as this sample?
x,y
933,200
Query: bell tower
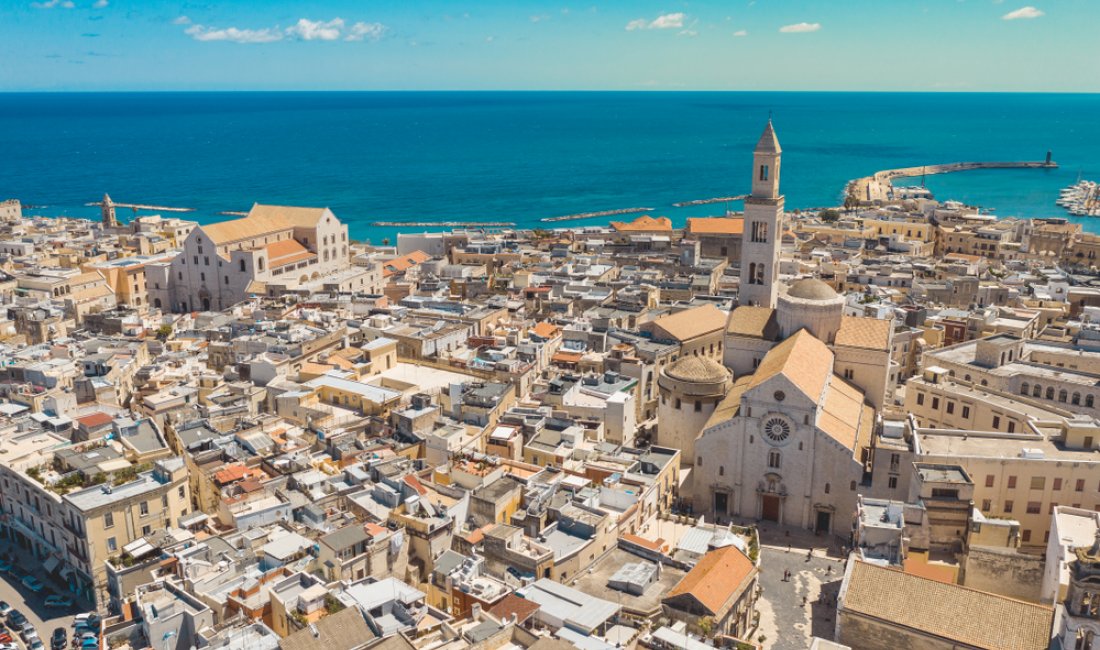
x,y
107,212
763,223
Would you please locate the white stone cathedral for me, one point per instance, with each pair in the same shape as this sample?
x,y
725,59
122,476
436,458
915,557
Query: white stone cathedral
x,y
790,439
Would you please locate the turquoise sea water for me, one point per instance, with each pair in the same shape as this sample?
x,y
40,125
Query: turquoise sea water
x,y
520,156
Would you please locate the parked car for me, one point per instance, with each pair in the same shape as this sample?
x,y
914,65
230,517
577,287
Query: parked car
x,y
28,632
90,619
16,619
5,608
58,601
8,646
89,644
5,637
33,583
59,639
36,644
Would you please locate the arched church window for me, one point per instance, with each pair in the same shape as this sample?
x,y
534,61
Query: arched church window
x,y
826,488
774,459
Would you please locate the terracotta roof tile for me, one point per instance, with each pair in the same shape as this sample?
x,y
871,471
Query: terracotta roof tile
x,y
716,225
757,322
717,579
966,616
802,359
863,332
692,323
644,223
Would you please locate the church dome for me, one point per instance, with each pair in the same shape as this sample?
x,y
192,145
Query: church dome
x,y
811,289
699,370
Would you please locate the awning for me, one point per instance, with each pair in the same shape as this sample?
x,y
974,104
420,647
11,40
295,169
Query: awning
x,y
51,563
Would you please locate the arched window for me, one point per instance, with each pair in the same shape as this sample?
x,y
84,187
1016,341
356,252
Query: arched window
x,y
1050,392
752,273
721,470
826,488
242,265
967,378
1023,388
985,383
763,172
1063,395
774,459
260,262
1089,401
1076,399
1037,391
156,302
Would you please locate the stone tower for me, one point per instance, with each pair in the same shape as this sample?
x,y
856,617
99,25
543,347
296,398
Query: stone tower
x,y
107,210
763,223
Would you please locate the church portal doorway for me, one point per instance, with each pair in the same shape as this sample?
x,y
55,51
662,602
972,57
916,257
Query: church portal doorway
x,y
770,508
823,520
721,503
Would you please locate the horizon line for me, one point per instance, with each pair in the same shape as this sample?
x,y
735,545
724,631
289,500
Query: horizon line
x,y
544,90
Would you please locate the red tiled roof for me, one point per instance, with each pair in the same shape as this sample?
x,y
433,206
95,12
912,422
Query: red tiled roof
x,y
93,420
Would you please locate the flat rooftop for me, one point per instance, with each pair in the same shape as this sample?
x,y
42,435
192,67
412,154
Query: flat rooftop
x,y
426,378
595,579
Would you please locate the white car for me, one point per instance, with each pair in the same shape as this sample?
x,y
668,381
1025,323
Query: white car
x,y
58,601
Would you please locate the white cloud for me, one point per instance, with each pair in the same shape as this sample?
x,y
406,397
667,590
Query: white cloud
x,y
688,32
800,28
99,4
489,39
1023,13
50,4
538,18
234,35
741,32
666,21
316,30
303,30
362,31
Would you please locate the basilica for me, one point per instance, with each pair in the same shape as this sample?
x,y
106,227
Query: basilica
x,y
791,411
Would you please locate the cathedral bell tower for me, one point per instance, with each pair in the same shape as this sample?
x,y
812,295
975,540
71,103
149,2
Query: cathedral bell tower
x,y
763,224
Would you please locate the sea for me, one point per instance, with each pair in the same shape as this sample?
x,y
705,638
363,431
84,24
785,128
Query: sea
x,y
523,156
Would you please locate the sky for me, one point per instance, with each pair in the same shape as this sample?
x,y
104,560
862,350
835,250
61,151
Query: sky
x,y
887,45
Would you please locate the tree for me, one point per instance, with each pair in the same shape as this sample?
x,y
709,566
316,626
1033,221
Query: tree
x,y
164,332
706,626
829,215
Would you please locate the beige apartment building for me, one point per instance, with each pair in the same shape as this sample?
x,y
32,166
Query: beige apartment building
x,y
73,534
1024,458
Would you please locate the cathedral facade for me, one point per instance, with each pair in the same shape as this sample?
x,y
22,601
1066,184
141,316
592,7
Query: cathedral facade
x,y
790,441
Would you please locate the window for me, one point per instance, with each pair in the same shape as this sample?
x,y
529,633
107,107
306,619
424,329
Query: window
x,y
774,459
109,520
1008,507
1034,507
144,508
181,491
699,461
895,461
1080,486
242,266
1026,536
852,486
1057,484
1011,426
920,399
1038,482
1089,401
1011,482
763,172
146,529
698,406
987,505
966,411
892,482
1023,388
206,260
1050,392
260,262
196,260
950,408
826,488
935,403
112,545
677,402
1037,391
996,422
989,480
1063,395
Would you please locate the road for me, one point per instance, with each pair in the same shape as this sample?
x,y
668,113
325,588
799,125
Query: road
x,y
31,604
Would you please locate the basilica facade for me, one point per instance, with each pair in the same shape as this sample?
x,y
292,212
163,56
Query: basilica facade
x,y
790,441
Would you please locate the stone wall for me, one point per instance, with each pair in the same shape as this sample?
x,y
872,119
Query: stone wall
x,y
1004,571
